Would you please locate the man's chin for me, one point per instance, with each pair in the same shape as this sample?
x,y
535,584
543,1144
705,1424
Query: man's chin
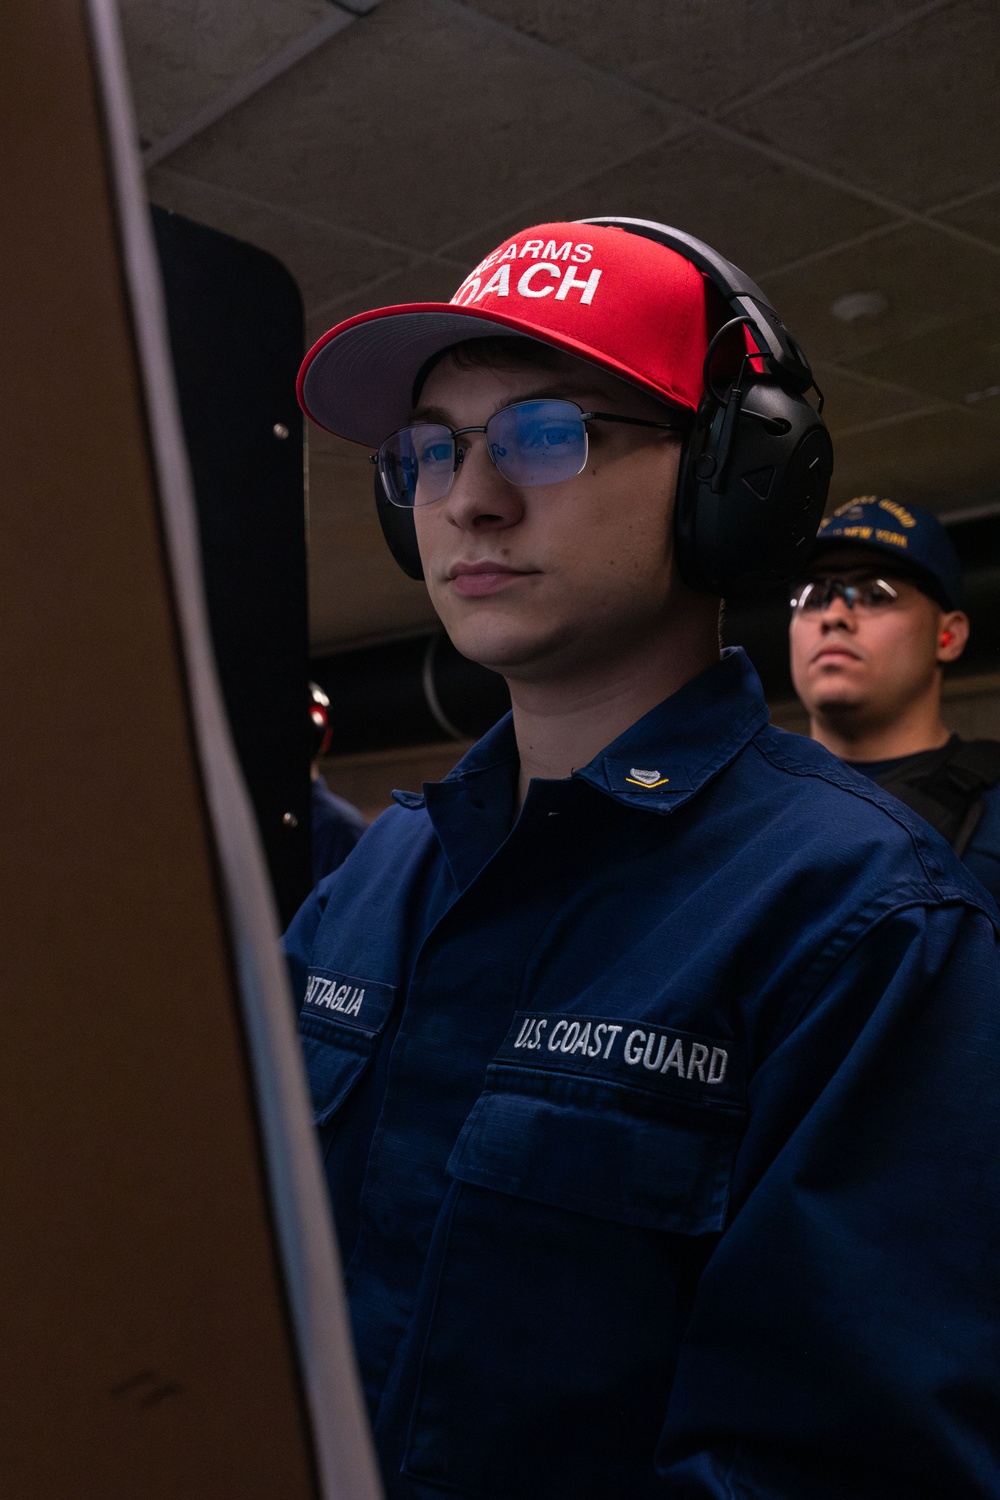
x,y
521,654
842,707
833,693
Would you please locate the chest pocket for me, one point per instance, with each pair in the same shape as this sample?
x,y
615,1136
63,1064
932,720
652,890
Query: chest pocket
x,y
575,1153
621,1121
340,1019
590,1183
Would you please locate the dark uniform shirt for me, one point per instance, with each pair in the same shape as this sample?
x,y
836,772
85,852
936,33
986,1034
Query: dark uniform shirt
x,y
336,828
661,1124
982,854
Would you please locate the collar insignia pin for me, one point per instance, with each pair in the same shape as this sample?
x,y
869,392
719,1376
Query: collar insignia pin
x,y
647,779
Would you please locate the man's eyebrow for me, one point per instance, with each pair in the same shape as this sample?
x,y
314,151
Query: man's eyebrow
x,y
430,414
580,396
564,391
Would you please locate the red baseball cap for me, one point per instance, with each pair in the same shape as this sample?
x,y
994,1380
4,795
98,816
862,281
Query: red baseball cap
x,y
623,302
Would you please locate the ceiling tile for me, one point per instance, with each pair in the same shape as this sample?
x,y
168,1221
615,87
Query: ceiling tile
x,y
417,122
851,400
756,212
979,216
930,281
324,260
947,461
698,54
955,363
422,281
182,54
356,591
912,117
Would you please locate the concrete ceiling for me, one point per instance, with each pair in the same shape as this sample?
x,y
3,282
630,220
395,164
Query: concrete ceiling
x,y
828,147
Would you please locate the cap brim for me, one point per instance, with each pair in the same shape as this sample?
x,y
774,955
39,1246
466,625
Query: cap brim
x,y
923,577
358,379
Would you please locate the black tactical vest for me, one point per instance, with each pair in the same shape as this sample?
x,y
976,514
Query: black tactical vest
x,y
947,789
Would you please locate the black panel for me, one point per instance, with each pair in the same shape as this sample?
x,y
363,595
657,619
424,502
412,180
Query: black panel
x,y
236,333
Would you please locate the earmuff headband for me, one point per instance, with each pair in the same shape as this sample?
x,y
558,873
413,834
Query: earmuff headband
x,y
779,350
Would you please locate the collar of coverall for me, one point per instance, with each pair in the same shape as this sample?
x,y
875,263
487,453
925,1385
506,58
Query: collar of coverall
x,y
657,764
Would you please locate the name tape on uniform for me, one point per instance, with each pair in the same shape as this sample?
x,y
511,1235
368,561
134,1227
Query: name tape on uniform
x,y
348,1000
632,1052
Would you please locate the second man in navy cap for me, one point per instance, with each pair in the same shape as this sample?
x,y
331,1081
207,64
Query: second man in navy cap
x,y
875,621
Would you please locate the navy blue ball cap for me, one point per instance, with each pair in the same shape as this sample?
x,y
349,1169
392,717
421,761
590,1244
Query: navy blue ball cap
x,y
913,537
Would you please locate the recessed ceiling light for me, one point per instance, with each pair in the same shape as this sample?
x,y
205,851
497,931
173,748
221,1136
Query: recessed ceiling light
x,y
855,305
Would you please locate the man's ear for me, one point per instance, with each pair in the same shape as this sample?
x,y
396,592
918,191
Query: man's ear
x,y
953,635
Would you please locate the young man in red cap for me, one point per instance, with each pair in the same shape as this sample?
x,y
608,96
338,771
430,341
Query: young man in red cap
x,y
876,619
655,1055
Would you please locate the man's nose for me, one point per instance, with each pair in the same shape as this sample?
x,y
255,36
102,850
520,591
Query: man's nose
x,y
480,498
837,614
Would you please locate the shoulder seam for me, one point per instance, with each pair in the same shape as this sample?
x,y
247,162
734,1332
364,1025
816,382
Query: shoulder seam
x,y
867,792
837,952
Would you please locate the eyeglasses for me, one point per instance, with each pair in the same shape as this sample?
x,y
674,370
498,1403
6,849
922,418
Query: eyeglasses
x,y
867,595
532,443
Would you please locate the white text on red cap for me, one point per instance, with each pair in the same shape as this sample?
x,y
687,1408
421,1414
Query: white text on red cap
x,y
551,263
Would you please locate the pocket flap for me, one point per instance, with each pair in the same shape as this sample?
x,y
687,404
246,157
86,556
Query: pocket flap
x,y
333,1066
340,1018
659,1173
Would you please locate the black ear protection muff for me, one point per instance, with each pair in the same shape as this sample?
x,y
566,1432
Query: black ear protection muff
x,y
756,465
399,530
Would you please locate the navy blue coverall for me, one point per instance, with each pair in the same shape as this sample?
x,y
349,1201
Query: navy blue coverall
x,y
336,828
662,1124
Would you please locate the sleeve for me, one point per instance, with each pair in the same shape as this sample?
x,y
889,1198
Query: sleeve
x,y
298,940
336,828
843,1343
983,854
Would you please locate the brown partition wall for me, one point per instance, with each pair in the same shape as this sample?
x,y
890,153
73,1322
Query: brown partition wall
x,y
171,1321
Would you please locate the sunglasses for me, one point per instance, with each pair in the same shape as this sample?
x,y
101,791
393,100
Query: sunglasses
x,y
819,594
532,443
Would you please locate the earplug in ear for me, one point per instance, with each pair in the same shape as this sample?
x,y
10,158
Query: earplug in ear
x,y
946,637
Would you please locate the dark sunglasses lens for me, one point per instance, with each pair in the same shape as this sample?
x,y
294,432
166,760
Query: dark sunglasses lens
x,y
417,464
538,442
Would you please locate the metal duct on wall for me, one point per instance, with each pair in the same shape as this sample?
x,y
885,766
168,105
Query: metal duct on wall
x,y
413,692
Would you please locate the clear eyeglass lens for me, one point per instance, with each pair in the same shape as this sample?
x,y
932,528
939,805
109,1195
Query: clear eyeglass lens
x,y
532,443
538,442
876,594
417,464
870,594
